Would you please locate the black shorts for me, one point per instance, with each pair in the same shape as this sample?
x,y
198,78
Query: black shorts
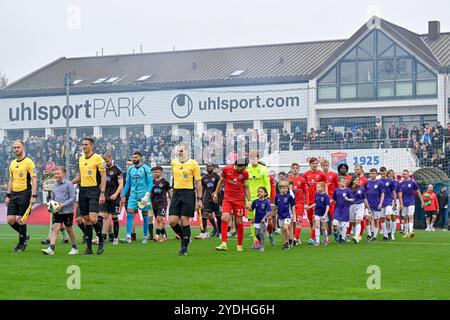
x,y
211,207
88,200
19,202
159,212
430,214
183,203
110,206
66,218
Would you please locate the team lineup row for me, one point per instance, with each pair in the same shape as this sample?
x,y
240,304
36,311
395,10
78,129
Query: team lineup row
x,y
333,202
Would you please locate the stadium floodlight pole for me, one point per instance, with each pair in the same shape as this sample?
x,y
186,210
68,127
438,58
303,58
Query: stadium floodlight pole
x,y
68,81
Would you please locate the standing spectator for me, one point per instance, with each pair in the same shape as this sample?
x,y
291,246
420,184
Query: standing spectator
x,y
285,140
403,135
297,139
393,135
379,133
443,205
437,141
338,138
415,131
447,133
348,137
311,138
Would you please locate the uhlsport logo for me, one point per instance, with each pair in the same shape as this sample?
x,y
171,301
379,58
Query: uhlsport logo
x,y
337,158
182,106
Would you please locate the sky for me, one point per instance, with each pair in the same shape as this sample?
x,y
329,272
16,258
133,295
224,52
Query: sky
x,y
35,33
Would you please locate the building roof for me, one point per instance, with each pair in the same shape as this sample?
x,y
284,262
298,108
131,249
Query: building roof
x,y
263,64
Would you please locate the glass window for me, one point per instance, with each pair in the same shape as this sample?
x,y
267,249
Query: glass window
x,y
85,132
110,132
388,53
59,131
37,132
384,43
424,73
327,93
386,70
404,88
399,52
386,89
426,88
351,55
219,126
366,90
158,129
14,134
301,125
330,77
273,125
404,69
365,71
348,91
348,72
135,130
243,125
351,122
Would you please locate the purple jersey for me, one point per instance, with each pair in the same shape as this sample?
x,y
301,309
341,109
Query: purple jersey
x,y
374,190
408,188
389,189
262,209
322,201
284,203
359,195
342,208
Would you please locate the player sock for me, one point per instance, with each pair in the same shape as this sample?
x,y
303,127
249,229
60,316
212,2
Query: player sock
x,y
88,229
411,227
375,231
343,232
52,246
164,232
313,234
270,229
100,220
383,227
349,229
130,218
240,234
219,223
357,230
325,234
205,224
186,231
145,225
368,229
363,226
74,246
177,229
252,229
82,228
116,227
22,233
224,231
213,223
317,234
393,227
98,230
150,230
297,233
16,226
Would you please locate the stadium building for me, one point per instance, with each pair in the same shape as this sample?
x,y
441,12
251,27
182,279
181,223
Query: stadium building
x,y
383,72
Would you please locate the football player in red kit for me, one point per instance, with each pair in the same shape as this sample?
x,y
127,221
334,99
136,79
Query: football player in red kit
x,y
332,183
301,198
312,177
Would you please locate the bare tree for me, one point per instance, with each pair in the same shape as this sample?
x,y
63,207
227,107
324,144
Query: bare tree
x,y
3,80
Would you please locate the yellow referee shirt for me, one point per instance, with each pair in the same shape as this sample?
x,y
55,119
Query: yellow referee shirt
x,y
185,173
21,172
90,169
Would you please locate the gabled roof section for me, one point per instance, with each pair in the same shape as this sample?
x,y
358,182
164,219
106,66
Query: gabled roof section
x,y
411,41
440,47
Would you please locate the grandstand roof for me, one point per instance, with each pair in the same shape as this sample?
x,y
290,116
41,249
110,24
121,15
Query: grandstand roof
x,y
262,64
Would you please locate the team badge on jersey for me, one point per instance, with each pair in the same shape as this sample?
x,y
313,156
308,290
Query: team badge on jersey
x,y
21,174
90,172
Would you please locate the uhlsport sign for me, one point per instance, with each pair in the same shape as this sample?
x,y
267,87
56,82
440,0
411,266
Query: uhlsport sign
x,y
156,107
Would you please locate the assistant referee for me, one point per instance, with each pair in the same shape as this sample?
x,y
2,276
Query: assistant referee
x,y
92,175
185,175
22,188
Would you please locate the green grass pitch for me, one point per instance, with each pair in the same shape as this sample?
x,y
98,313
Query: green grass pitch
x,y
415,268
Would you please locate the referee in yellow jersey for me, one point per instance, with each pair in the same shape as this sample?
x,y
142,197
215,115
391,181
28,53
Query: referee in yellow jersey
x,y
185,201
92,185
21,192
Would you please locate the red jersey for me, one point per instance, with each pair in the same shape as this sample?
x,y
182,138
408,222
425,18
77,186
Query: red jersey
x,y
273,192
362,181
300,189
332,182
430,200
234,184
312,177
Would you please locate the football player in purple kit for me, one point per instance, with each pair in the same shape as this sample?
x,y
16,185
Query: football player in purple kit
x,y
374,202
357,208
390,195
285,203
395,207
322,207
343,198
407,199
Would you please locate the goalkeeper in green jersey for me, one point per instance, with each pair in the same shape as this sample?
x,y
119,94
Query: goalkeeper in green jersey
x,y
258,177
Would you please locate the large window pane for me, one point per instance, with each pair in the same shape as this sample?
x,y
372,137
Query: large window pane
x,y
426,88
386,70
348,72
383,43
110,132
330,77
37,132
404,89
327,93
404,69
351,55
424,73
388,53
348,91
366,90
386,89
365,71
85,132
366,47
399,52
